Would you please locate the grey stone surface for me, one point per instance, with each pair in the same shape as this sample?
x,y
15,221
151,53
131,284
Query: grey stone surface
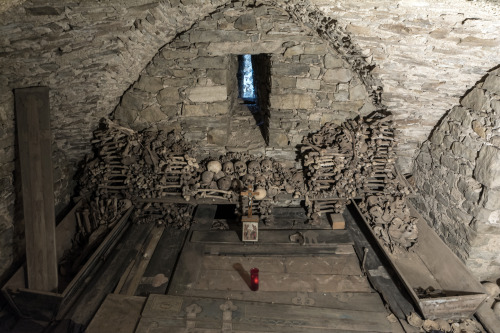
x,y
207,94
465,133
487,169
149,84
338,75
168,96
292,101
246,22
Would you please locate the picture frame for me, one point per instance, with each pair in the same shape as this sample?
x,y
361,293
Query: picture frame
x,y
250,232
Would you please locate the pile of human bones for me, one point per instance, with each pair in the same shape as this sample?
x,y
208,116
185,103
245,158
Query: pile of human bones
x,y
164,177
391,222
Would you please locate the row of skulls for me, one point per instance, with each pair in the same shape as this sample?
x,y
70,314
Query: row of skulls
x,y
237,172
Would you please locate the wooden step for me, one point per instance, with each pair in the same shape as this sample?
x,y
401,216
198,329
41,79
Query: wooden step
x,y
163,313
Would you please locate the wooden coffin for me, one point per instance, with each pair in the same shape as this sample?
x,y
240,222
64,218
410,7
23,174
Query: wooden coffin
x,y
40,305
431,263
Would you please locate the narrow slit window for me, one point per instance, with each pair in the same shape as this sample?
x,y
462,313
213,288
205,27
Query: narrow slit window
x,y
246,79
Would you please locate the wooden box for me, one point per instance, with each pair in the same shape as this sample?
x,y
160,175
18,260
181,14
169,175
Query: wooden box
x,y
433,264
40,305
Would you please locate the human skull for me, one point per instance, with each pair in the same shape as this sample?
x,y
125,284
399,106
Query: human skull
x,y
240,168
214,166
273,191
207,177
297,180
260,193
260,181
228,168
224,183
248,180
317,139
219,175
266,166
254,168
236,185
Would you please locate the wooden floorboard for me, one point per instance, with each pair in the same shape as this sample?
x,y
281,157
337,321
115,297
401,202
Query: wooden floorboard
x,y
305,282
161,266
369,302
342,264
161,312
118,313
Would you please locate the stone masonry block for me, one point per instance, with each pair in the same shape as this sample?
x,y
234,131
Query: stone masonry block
x,y
460,114
437,137
294,50
460,150
292,101
475,99
217,137
358,93
290,69
149,84
152,114
319,49
168,96
332,61
207,94
487,169
449,162
284,82
492,83
204,62
491,199
304,83
246,22
338,75
205,110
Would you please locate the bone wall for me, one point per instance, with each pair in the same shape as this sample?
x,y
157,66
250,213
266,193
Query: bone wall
x,y
191,85
457,173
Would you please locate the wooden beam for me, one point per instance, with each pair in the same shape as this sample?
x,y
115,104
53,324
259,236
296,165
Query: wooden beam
x,y
35,154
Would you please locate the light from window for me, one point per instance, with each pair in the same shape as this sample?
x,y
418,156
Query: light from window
x,y
247,86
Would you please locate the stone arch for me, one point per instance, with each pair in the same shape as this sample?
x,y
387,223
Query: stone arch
x,y
457,173
189,84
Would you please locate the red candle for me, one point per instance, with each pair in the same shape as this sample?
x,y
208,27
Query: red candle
x,y
254,279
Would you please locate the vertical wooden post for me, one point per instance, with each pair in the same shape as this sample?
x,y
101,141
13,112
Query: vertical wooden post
x,y
35,154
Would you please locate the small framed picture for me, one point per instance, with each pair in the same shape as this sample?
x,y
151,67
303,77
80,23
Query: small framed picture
x,y
250,231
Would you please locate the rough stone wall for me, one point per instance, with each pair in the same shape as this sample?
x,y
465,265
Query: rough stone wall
x,y
191,84
457,174
426,53
88,53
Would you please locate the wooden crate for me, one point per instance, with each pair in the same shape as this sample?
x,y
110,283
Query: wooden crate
x,y
433,264
41,305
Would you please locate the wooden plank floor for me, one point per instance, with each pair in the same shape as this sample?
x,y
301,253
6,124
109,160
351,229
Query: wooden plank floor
x,y
316,287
